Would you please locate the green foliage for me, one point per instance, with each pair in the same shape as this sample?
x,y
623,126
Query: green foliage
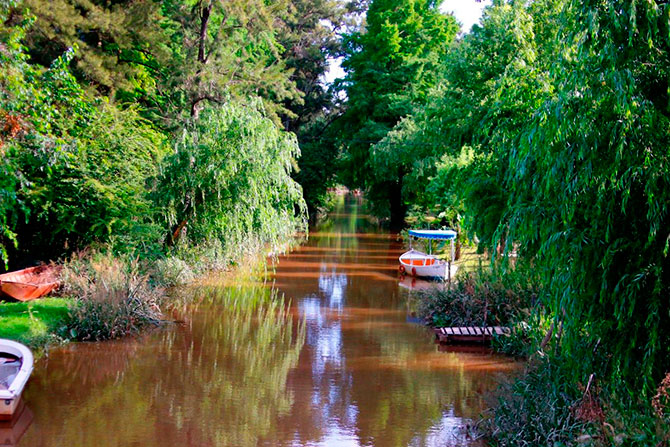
x,y
95,190
229,179
529,329
478,299
228,48
309,38
75,165
488,87
318,165
121,44
390,65
85,166
585,178
537,409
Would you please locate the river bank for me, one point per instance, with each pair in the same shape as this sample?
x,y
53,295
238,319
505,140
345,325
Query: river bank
x,y
336,361
106,296
544,404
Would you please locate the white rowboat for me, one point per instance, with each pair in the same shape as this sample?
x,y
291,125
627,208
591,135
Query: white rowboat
x,y
418,263
16,365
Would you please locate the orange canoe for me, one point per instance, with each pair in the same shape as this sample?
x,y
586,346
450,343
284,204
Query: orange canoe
x,y
30,283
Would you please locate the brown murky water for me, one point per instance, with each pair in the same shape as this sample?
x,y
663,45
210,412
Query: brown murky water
x,y
348,369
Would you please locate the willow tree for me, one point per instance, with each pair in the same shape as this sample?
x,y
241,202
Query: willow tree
x,y
229,180
591,187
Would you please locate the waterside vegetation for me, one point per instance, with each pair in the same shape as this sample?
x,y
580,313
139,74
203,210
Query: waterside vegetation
x,y
543,135
145,143
166,138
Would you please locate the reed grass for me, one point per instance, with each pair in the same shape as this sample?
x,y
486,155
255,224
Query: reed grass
x,y
114,298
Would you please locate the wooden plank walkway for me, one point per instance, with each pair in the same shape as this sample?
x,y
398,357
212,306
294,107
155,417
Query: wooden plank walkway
x,y
469,334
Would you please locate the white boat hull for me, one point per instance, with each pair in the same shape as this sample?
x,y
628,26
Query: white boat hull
x,y
420,264
13,378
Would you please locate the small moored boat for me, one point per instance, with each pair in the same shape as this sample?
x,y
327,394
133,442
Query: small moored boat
x,y
30,283
16,364
418,263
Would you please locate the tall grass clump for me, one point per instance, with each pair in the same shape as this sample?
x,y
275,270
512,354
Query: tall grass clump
x,y
172,271
113,297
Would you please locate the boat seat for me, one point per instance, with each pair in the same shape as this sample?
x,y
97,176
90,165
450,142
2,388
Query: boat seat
x,y
8,373
421,261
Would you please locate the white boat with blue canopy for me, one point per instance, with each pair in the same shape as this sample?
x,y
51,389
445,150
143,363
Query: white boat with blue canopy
x,y
418,263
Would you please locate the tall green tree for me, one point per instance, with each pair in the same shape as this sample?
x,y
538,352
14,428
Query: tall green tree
x,y
589,192
228,49
453,146
121,45
391,65
229,180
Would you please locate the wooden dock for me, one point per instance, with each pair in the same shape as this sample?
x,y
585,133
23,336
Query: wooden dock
x,y
469,334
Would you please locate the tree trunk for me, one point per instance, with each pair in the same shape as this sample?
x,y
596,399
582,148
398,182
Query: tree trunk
x,y
204,23
205,14
396,204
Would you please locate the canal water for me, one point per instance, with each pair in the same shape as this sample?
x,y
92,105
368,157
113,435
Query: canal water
x,y
346,365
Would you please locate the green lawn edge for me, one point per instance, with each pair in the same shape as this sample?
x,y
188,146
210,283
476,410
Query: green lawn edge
x,y
34,323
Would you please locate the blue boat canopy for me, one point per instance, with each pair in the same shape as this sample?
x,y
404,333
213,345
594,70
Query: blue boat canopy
x,y
433,234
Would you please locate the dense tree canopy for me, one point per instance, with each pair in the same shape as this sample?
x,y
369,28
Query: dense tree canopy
x,y
391,64
94,95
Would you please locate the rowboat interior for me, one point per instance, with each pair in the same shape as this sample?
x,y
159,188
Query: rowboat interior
x,y
30,283
16,365
414,257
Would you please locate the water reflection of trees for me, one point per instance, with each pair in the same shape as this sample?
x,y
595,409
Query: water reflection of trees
x,y
372,379
220,381
239,371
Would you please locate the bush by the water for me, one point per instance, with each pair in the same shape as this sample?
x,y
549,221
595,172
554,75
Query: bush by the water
x,y
544,407
113,297
537,409
478,299
172,271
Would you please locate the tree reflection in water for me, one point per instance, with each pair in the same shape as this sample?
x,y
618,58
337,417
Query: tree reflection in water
x,y
340,366
220,380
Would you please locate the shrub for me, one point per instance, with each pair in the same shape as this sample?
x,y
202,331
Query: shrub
x,y
536,409
114,298
527,334
478,299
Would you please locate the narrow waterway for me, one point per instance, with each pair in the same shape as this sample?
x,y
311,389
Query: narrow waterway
x,y
345,367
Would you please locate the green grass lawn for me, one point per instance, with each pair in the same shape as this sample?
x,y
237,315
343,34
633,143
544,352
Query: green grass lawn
x,y
33,323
